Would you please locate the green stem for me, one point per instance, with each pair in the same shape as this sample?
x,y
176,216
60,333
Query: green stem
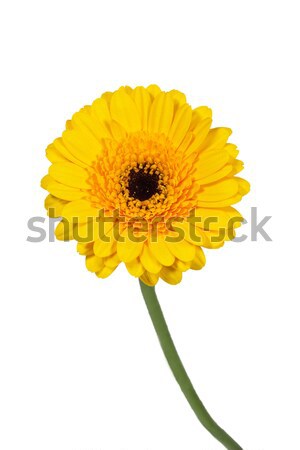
x,y
178,370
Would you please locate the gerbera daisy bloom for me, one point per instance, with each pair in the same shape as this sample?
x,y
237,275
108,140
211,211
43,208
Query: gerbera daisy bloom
x,y
139,177
129,173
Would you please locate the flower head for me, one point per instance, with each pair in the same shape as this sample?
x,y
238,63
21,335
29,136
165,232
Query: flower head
x,y
140,177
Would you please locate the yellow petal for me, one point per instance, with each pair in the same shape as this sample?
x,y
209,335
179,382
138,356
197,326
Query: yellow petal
x,y
209,162
143,102
124,111
94,263
237,166
105,272
216,138
149,261
232,150
189,232
105,247
216,176
186,143
107,96
101,111
216,218
182,266
128,90
199,260
219,191
81,210
161,252
64,231
54,206
208,239
60,148
220,203
149,278
153,90
112,261
200,133
161,114
244,186
117,131
87,121
45,181
54,155
69,174
83,146
64,192
128,249
171,275
182,250
106,229
135,267
178,97
87,231
201,113
85,248
180,125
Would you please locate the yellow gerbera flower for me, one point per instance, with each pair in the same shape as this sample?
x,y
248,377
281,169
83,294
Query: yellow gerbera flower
x,y
140,177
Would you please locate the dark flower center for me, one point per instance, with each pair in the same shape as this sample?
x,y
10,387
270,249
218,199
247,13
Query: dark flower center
x,y
143,184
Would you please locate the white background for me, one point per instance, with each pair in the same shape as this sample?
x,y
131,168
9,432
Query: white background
x,y
81,368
